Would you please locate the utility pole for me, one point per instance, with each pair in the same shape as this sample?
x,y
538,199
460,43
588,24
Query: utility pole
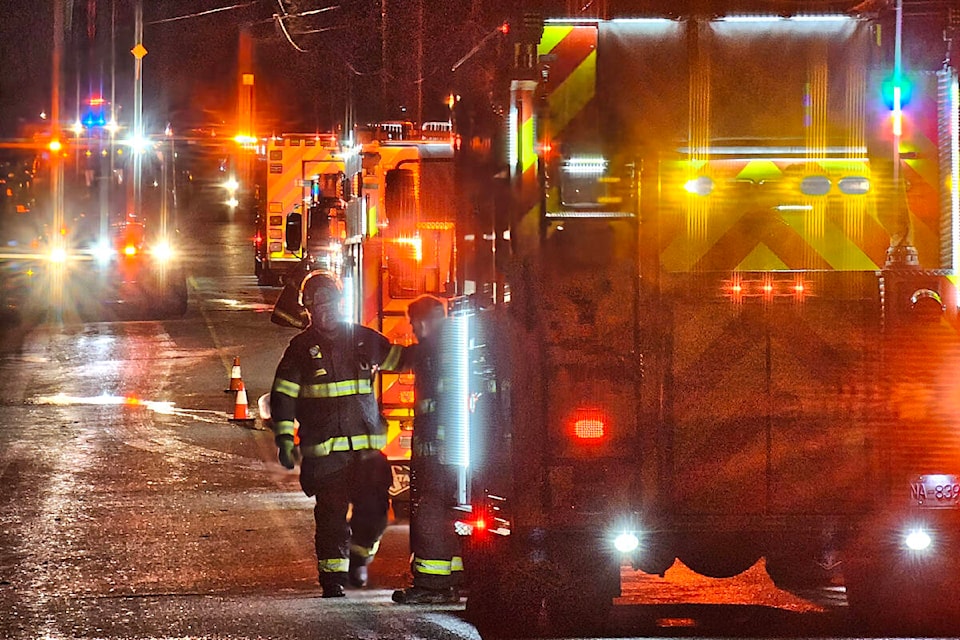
x,y
419,63
138,52
383,60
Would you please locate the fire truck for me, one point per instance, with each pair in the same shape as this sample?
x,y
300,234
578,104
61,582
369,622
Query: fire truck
x,y
732,318
409,190
312,195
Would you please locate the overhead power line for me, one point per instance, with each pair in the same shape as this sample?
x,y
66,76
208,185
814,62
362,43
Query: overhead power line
x,y
200,14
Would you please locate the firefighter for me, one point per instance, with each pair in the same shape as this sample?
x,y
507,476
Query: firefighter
x,y
325,380
436,563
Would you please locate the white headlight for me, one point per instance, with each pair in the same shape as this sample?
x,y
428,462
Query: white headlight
x,y
58,255
626,542
102,253
162,251
918,540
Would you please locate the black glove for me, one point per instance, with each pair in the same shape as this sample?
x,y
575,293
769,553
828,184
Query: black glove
x,y
285,452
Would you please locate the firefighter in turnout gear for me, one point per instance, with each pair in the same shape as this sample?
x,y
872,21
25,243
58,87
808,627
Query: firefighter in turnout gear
x,y
325,381
436,563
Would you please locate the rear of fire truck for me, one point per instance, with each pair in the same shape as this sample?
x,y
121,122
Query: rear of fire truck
x,y
734,319
313,205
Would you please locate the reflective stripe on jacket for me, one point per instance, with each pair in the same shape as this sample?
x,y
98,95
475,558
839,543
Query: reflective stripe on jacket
x,y
325,381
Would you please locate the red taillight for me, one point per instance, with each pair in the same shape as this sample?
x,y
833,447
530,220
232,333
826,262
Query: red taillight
x,y
589,425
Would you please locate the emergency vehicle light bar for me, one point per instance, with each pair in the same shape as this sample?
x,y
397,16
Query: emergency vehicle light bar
x,y
589,214
852,154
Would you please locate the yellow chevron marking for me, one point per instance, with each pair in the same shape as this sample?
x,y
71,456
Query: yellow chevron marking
x,y
757,170
762,258
926,241
528,143
574,93
686,250
832,245
552,36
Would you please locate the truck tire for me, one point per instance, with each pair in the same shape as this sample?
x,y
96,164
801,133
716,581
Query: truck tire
x,y
657,556
797,569
720,556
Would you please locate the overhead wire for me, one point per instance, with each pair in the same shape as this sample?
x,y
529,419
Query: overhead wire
x,y
200,14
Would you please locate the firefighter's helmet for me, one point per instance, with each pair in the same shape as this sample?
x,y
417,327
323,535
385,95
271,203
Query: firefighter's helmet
x,y
426,307
320,286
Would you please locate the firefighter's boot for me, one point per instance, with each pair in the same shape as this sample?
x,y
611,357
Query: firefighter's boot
x,y
332,588
357,575
421,595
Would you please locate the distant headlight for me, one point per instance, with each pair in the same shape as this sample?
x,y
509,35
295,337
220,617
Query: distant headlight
x,y
58,255
162,251
103,253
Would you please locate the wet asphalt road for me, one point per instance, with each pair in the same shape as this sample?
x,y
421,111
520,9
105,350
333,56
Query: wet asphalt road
x,y
131,507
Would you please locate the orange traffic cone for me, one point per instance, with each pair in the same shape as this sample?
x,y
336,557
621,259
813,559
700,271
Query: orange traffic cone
x,y
240,407
236,380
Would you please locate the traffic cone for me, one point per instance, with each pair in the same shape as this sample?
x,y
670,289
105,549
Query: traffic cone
x,y
236,380
240,407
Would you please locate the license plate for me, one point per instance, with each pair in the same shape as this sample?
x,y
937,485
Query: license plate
x,y
936,491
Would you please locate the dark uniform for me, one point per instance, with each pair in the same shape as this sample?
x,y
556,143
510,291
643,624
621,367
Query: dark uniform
x,y
325,380
436,563
434,543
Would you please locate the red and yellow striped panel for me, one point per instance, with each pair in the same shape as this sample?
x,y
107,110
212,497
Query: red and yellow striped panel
x,y
920,169
571,84
756,218
285,169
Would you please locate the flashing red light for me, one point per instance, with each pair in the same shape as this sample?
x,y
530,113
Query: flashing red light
x,y
258,239
130,250
589,424
96,102
505,28
480,524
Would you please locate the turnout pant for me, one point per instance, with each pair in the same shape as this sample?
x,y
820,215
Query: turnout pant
x,y
364,483
435,546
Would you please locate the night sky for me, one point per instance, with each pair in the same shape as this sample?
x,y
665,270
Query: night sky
x,y
190,72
